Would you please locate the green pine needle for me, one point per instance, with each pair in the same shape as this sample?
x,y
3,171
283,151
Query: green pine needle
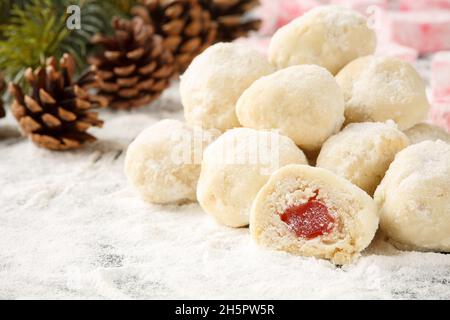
x,y
31,34
122,7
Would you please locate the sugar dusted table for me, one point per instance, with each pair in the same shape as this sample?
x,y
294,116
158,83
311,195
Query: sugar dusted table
x,y
71,227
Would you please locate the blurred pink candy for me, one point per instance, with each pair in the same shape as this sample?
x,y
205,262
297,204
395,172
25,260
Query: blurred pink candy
x,y
396,50
277,13
426,31
380,23
408,5
440,77
440,115
362,6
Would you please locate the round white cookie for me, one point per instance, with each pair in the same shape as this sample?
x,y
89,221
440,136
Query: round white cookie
x,y
414,198
163,162
312,212
377,89
215,80
329,36
362,152
236,166
427,132
303,102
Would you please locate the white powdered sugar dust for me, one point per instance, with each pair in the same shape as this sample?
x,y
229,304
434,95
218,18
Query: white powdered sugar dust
x,y
71,227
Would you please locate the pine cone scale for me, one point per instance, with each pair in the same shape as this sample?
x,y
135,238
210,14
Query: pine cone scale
x,y
66,115
148,69
71,144
225,3
100,101
159,50
29,125
51,121
45,97
32,105
82,126
172,43
163,73
129,93
79,92
105,75
18,110
158,85
109,87
175,10
127,82
92,118
125,71
193,29
47,142
136,54
81,104
229,21
113,55
173,28
144,100
146,85
191,45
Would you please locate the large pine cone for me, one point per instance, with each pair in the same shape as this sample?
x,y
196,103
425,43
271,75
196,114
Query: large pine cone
x,y
233,17
186,27
2,88
134,68
57,112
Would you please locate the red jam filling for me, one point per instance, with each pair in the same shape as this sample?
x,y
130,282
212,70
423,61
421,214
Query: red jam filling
x,y
309,220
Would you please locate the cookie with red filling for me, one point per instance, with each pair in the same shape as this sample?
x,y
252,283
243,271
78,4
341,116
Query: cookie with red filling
x,y
313,212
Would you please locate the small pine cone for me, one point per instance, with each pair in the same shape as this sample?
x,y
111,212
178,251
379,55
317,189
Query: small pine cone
x,y
56,114
2,88
133,68
233,17
186,27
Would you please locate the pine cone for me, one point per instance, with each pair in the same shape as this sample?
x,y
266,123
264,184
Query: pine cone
x,y
233,17
56,113
186,27
2,88
134,67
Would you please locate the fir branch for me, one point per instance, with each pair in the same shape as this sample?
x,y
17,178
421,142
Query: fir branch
x,y
31,35
6,7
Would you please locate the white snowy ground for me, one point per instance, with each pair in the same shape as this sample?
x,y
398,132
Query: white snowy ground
x,y
70,227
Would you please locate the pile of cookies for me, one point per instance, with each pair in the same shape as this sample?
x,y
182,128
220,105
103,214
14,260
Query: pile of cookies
x,y
255,128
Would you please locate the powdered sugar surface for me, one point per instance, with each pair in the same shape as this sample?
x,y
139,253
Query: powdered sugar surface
x,y
70,227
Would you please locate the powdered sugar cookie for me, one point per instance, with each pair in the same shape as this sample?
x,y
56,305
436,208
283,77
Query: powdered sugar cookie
x,y
414,198
362,152
329,36
313,212
163,162
304,102
236,166
425,131
216,79
377,89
